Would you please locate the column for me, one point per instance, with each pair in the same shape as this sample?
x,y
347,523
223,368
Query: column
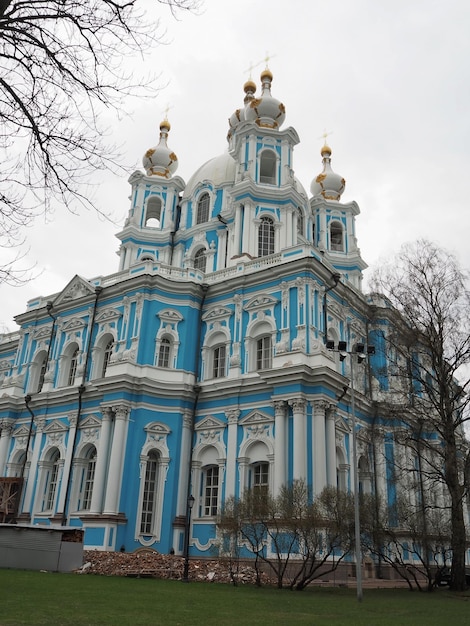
x,y
33,470
232,449
331,447
280,450
319,446
300,439
101,461
5,440
116,462
184,464
67,463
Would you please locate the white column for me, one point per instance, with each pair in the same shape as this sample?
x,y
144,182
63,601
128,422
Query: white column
x,y
235,250
231,462
300,439
280,448
33,470
67,463
221,248
116,462
102,455
184,464
5,440
331,447
319,446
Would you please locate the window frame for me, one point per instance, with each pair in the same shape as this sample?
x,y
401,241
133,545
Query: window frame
x,y
336,231
203,208
263,353
200,260
268,167
266,239
210,491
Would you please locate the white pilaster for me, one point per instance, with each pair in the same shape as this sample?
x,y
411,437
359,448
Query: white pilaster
x,y
319,446
102,457
33,471
300,439
280,448
116,464
331,447
231,464
5,441
73,420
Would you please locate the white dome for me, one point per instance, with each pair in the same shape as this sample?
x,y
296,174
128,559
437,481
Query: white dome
x,y
218,171
161,160
328,184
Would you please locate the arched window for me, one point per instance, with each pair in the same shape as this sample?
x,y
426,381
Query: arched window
x,y
149,494
263,353
218,363
200,260
336,237
203,206
210,491
72,368
300,221
164,353
88,479
153,212
51,468
266,237
267,167
108,351
37,372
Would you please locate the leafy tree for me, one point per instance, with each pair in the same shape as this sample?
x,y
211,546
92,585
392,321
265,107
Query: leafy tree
x,y
427,305
297,540
61,67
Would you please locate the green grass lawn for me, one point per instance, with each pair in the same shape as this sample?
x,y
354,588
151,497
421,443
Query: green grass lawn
x,y
38,599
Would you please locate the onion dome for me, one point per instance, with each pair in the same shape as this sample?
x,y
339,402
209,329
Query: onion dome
x,y
328,184
265,111
239,115
160,160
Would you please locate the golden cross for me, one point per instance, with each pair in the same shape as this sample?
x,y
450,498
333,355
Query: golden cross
x,y
325,135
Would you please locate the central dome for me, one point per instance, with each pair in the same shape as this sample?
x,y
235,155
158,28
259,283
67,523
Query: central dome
x,y
219,171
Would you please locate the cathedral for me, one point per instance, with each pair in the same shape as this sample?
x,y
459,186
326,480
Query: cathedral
x,y
233,349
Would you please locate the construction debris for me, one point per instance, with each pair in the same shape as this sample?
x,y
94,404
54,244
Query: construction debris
x,y
151,564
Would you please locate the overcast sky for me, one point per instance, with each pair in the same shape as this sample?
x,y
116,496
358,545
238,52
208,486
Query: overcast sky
x,y
389,80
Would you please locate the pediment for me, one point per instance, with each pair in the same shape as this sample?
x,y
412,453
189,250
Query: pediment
x,y
170,315
22,431
215,313
55,427
210,423
262,301
341,424
108,315
77,288
256,417
157,428
43,333
74,324
91,421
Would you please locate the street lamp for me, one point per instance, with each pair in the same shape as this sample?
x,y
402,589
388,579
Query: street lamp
x,y
360,352
189,506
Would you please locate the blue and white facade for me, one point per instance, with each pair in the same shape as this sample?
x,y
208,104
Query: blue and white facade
x,y
200,367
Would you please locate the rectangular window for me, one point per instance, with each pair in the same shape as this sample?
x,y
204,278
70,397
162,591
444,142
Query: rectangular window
x,y
219,362
148,498
211,491
263,353
88,486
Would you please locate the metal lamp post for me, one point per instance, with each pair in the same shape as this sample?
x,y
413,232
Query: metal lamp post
x,y
360,353
189,506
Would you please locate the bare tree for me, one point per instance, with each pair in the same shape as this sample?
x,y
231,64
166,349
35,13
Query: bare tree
x,y
296,540
61,66
427,340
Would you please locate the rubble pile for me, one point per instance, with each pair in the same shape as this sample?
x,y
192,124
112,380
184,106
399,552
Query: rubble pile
x,y
151,564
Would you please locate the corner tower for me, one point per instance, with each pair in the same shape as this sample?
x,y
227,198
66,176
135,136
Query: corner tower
x,y
154,211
